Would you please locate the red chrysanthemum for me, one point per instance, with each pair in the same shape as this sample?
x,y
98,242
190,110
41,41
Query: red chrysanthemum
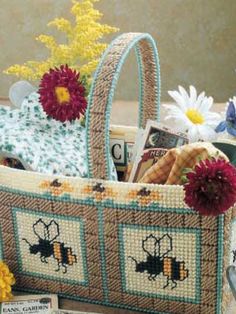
x,y
62,95
211,187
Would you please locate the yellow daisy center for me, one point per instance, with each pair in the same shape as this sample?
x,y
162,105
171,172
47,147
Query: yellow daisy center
x,y
62,94
195,116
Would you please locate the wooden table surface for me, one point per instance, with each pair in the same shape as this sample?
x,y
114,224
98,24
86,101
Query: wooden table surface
x,y
123,113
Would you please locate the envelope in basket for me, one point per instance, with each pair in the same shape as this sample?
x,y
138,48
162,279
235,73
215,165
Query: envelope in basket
x,y
169,169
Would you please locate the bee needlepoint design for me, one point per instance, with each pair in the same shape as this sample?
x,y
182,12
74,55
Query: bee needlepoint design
x,y
157,262
48,247
56,188
99,192
143,196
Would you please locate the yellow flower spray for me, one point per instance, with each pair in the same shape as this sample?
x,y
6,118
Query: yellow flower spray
x,y
6,281
83,47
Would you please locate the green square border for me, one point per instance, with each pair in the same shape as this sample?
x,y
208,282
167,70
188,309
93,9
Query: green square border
x,y
85,282
111,204
197,232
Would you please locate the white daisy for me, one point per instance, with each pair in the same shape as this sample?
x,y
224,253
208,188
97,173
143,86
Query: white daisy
x,y
191,114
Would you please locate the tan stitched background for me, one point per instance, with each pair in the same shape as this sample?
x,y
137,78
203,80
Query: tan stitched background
x,y
195,39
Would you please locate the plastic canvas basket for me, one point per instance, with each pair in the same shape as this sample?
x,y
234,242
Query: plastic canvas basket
x,y
132,246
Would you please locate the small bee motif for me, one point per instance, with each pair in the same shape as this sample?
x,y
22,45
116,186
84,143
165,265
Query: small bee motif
x,y
158,262
144,196
99,192
56,188
98,187
47,246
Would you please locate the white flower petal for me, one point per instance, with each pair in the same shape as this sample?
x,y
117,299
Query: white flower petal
x,y
206,104
178,99
207,134
173,112
193,96
180,119
212,124
200,97
212,116
193,134
199,100
173,109
185,96
201,104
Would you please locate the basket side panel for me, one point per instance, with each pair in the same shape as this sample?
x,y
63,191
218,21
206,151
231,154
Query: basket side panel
x,y
132,246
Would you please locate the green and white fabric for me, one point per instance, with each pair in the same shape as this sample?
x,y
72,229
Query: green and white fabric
x,y
40,143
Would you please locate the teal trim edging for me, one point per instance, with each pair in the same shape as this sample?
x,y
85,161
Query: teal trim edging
x,y
102,254
64,196
220,249
141,89
113,305
108,203
155,207
195,231
111,94
55,216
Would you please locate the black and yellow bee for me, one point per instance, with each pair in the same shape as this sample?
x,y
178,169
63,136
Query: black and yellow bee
x,y
47,246
158,262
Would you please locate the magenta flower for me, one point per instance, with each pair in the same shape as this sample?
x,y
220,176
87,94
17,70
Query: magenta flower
x,y
211,187
62,95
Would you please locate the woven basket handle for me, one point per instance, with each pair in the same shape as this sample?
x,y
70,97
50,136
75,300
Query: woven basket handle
x,y
102,91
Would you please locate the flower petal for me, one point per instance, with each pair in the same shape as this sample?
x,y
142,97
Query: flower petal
x,y
231,130
207,191
199,101
212,116
193,134
207,133
212,119
193,96
178,99
230,113
185,96
174,112
221,127
206,104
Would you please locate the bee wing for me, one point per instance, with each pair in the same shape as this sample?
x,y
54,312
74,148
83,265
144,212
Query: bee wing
x,y
164,245
40,229
53,230
149,245
46,232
